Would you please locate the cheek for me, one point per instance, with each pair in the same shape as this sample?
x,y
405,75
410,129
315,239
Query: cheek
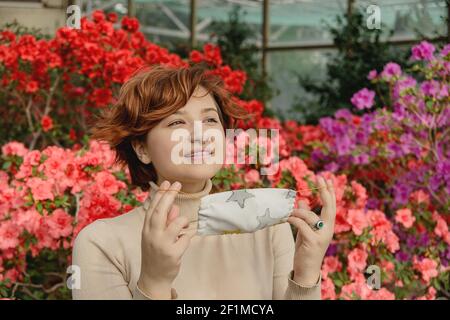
x,y
160,147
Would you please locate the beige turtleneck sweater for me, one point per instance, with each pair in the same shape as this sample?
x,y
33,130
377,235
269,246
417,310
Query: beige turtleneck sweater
x,y
232,266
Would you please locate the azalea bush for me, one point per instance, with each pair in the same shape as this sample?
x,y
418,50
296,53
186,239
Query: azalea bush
x,y
49,89
403,146
54,182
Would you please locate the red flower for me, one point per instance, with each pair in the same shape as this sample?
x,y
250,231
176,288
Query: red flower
x,y
46,123
31,87
195,56
112,17
101,97
130,24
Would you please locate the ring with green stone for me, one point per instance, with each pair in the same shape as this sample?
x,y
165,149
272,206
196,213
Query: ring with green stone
x,y
318,225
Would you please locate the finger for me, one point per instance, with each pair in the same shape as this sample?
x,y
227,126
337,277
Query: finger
x,y
159,215
305,230
332,213
330,186
310,217
176,226
173,214
154,202
327,202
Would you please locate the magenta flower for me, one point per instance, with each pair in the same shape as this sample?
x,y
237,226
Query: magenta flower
x,y
423,51
364,98
390,70
372,74
446,50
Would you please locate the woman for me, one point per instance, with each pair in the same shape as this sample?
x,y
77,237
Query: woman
x,y
152,252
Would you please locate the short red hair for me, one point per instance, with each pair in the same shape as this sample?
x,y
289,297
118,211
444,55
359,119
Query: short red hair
x,y
149,96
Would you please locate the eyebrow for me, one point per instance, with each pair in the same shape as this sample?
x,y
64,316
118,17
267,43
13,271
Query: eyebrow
x,y
204,110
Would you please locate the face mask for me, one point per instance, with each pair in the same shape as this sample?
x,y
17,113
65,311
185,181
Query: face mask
x,y
244,210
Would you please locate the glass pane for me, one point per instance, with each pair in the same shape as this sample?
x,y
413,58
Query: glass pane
x,y
409,18
303,22
219,11
284,67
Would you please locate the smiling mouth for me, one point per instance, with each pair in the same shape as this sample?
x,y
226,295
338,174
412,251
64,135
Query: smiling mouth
x,y
199,154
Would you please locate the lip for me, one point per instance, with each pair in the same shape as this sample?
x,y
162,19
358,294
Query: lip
x,y
200,153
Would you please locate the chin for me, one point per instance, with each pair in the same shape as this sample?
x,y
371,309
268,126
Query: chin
x,y
201,171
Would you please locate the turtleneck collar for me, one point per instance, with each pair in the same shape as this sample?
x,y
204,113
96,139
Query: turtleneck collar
x,y
189,203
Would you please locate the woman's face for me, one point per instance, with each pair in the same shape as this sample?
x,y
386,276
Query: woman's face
x,y
173,156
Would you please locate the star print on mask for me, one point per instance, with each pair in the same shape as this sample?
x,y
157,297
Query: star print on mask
x,y
266,220
240,196
291,194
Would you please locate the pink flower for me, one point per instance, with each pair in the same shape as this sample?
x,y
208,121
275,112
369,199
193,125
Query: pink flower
x,y
382,294
372,74
14,149
330,264
252,176
328,290
405,217
361,194
357,259
108,183
392,241
30,220
9,235
420,196
355,290
41,189
441,228
364,98
357,219
423,51
59,223
427,267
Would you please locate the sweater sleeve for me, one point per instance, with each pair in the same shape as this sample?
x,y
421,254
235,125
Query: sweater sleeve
x,y
284,287
102,275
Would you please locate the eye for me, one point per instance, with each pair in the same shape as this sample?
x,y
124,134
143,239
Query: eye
x,y
213,120
175,122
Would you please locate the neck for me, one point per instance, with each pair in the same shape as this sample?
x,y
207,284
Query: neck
x,y
186,186
188,202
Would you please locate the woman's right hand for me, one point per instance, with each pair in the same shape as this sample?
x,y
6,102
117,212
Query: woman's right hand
x,y
162,246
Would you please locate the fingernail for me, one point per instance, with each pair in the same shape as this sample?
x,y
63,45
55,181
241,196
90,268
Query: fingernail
x,y
165,185
176,185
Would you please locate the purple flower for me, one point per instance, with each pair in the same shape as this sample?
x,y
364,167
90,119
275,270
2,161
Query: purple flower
x,y
364,98
402,85
332,250
395,150
332,166
361,159
430,88
399,112
344,145
423,51
372,203
343,114
402,256
424,240
390,70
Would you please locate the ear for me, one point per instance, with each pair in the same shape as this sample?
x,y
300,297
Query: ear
x,y
141,151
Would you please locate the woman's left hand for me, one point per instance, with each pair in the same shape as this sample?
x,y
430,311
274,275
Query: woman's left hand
x,y
310,244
